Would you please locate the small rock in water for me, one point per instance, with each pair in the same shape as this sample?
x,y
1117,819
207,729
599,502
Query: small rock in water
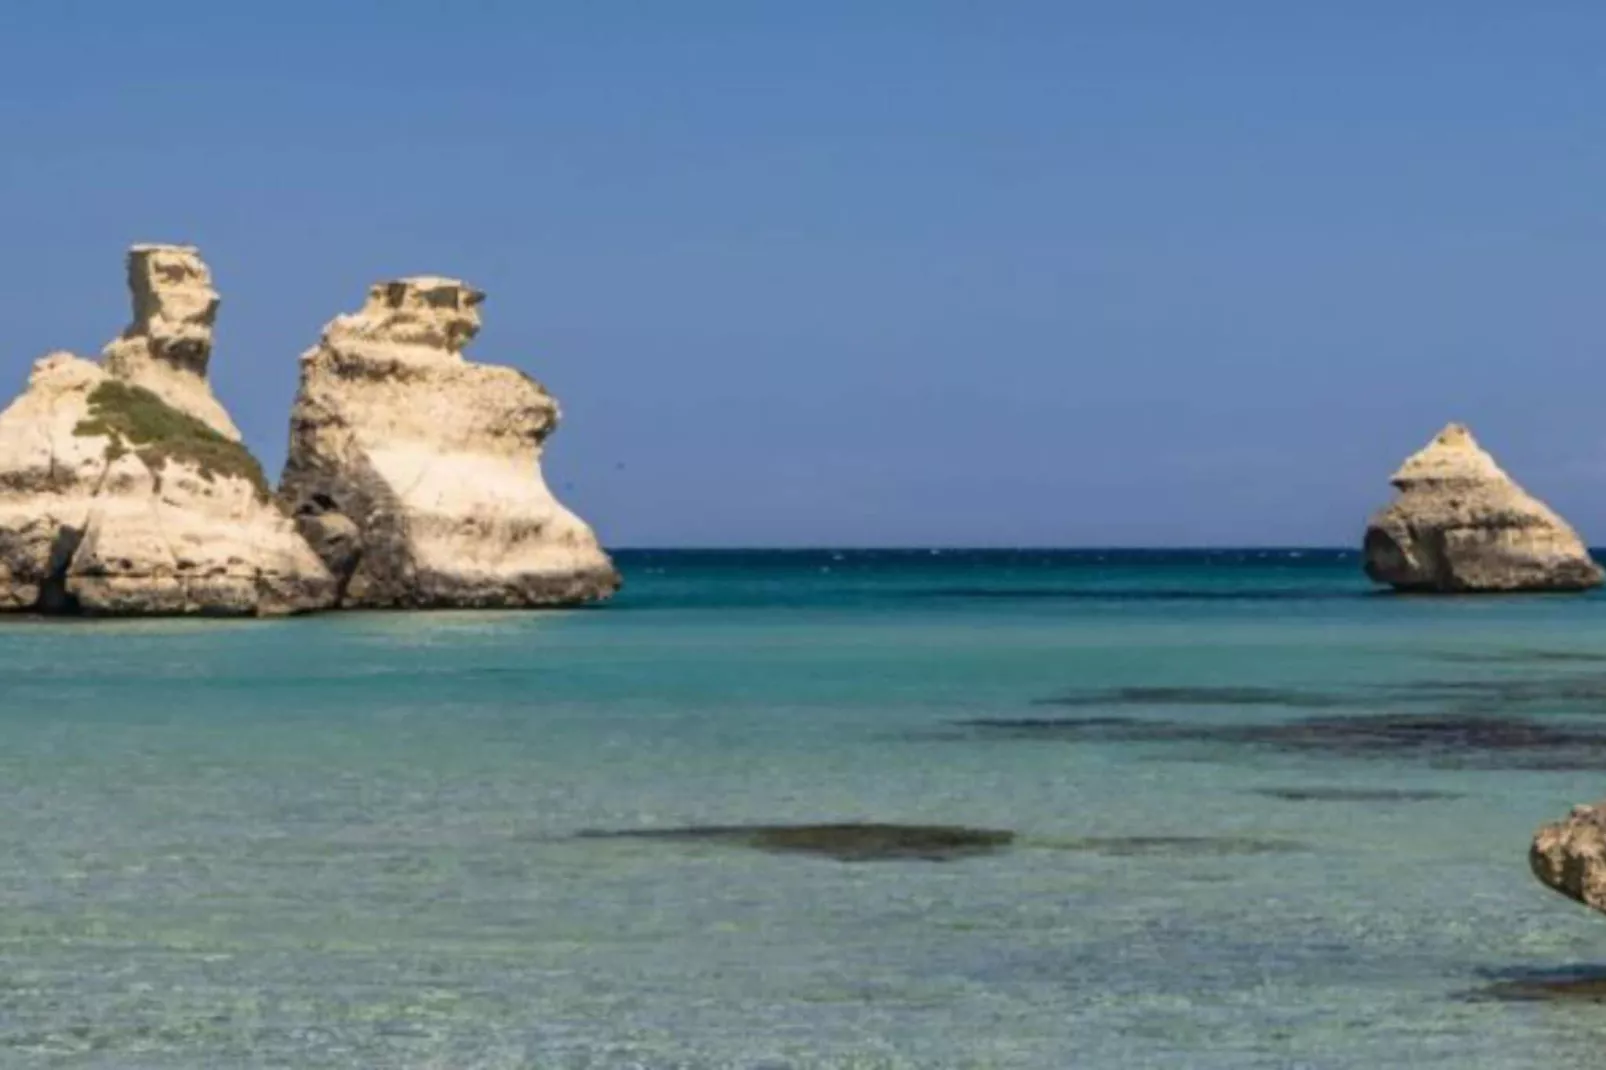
x,y
1569,856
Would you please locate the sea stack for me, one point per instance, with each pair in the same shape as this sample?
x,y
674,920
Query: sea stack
x,y
167,346
1460,524
415,473
1569,856
124,489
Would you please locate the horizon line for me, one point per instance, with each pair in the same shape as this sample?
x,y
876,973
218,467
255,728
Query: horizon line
x,y
946,547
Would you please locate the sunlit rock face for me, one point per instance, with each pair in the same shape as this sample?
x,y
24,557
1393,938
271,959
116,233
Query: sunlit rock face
x,y
1460,524
124,489
1569,856
167,345
415,473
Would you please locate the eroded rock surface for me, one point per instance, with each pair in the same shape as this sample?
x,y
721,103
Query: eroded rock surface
x,y
1569,856
415,474
1459,523
124,489
167,346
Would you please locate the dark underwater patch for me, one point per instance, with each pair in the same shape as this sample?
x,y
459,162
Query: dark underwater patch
x,y
1570,693
1173,846
1427,735
849,842
1359,795
1443,739
1075,729
1573,984
1520,657
1196,696
1563,692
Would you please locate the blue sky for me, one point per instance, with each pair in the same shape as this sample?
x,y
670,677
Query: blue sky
x,y
892,273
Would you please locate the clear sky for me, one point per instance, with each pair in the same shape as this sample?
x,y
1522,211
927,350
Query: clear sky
x,y
873,273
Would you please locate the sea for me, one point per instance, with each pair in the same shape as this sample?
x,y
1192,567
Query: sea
x,y
1204,809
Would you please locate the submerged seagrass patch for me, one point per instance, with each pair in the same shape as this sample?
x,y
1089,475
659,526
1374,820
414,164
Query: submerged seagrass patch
x,y
846,842
1447,740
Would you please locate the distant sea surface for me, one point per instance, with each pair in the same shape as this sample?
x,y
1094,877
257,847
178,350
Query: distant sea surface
x,y
1263,816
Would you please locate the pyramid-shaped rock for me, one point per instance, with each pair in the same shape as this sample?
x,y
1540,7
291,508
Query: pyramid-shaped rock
x,y
415,474
1459,523
124,489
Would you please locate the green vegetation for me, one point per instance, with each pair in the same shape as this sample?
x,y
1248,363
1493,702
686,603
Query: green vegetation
x,y
136,420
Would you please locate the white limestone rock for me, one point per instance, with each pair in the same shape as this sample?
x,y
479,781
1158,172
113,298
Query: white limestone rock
x,y
167,346
1569,856
1460,524
124,489
415,474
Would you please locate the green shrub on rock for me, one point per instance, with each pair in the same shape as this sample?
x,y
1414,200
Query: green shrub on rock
x,y
135,420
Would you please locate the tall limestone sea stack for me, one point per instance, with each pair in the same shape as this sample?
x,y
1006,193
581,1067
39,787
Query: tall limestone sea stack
x,y
1460,524
415,473
124,489
167,347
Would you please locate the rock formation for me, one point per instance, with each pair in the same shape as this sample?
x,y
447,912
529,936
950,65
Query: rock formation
x,y
1459,523
1569,856
123,487
415,473
168,345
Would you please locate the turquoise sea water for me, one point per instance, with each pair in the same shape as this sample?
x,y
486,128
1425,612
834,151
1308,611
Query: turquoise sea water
x,y
1264,816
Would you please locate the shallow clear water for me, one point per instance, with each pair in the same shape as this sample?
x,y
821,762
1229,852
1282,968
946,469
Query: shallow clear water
x,y
349,841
